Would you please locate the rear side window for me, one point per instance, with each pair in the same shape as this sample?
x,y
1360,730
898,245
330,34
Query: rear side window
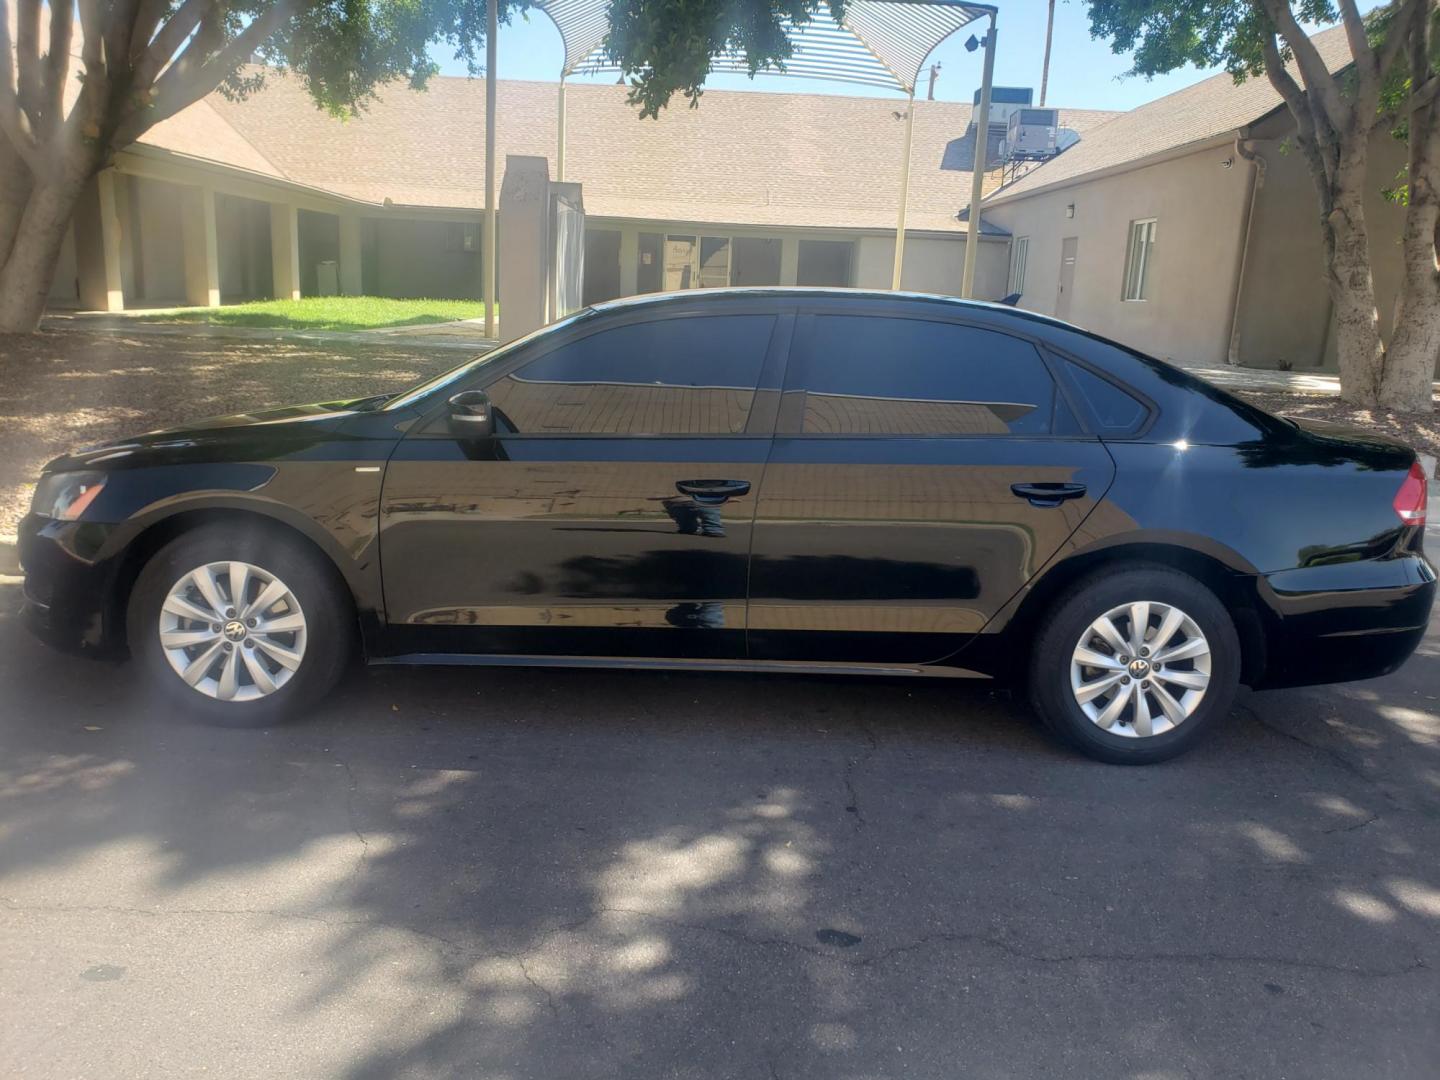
x,y
1115,411
684,376
887,376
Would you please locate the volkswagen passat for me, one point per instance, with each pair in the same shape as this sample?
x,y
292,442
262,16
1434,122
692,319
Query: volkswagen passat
x,y
765,480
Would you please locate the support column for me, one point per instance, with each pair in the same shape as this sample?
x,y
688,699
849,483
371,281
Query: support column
x,y
904,194
351,279
488,238
284,252
789,260
629,260
560,137
977,178
97,246
202,260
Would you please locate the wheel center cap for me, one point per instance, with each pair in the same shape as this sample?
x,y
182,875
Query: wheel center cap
x,y
1139,668
235,630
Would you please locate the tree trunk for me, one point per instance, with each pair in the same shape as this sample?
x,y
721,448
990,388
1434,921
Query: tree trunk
x,y
14,193
27,272
1358,346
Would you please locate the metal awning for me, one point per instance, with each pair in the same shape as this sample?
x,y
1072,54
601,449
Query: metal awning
x,y
879,43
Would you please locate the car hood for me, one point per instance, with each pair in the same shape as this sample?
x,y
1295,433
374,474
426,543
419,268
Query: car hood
x,y
292,422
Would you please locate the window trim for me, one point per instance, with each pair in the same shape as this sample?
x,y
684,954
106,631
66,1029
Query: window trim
x,y
1142,276
430,422
789,423
1019,245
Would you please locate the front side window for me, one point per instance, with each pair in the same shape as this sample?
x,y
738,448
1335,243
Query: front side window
x,y
889,376
1138,258
681,376
1019,252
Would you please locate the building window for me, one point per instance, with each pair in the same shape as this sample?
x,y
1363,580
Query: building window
x,y
1137,259
824,262
1019,251
462,236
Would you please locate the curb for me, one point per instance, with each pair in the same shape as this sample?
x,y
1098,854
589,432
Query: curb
x,y
9,555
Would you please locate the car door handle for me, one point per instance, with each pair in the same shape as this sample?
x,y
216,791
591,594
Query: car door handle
x,y
712,491
1044,494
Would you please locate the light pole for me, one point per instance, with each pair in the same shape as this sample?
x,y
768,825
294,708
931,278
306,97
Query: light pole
x,y
977,177
492,32
904,194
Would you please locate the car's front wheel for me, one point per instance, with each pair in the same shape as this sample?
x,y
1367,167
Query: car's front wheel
x,y
1133,666
239,626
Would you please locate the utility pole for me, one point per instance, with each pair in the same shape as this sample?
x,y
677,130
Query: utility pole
x,y
1045,67
934,74
492,32
977,177
904,193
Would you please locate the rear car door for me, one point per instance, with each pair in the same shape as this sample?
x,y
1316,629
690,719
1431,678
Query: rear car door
x,y
924,468
610,512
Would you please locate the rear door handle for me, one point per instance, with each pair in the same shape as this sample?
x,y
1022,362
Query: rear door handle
x,y
713,491
1044,494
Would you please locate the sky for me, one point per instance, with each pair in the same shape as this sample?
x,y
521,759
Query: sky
x,y
1084,74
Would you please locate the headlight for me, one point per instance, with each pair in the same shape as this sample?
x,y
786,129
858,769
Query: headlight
x,y
66,496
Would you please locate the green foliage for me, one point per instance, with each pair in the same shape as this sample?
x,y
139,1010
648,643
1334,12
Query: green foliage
x,y
345,49
666,46
1167,34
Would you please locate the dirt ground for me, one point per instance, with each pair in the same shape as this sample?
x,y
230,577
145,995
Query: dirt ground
x,y
1423,433
61,390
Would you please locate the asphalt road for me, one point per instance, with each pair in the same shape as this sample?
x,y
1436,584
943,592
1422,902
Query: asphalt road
x,y
517,874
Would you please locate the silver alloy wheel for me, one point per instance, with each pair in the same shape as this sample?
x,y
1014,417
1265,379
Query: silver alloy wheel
x,y
1140,669
232,631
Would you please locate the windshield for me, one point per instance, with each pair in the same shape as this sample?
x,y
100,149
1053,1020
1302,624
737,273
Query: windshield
x,y
449,378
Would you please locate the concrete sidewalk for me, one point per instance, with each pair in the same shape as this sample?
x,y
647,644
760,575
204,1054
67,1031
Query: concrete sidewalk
x,y
1310,381
467,335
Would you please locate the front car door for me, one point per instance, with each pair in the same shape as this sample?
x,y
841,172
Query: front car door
x,y
923,469
610,512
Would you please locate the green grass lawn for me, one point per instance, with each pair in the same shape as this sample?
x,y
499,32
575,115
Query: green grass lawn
x,y
327,313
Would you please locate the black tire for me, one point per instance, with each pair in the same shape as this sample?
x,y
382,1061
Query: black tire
x,y
315,585
1086,601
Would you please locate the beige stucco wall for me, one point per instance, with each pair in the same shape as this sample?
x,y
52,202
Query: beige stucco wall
x,y
1284,315
1198,207
932,264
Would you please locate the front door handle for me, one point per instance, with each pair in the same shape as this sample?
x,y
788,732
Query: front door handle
x,y
1044,494
713,491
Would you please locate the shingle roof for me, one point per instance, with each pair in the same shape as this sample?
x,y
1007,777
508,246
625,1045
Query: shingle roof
x,y
1208,110
741,158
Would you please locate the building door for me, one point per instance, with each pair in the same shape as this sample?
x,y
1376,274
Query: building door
x,y
1068,248
609,511
693,262
889,528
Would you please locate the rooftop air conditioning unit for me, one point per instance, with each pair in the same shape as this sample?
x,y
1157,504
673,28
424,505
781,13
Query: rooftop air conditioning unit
x,y
1031,135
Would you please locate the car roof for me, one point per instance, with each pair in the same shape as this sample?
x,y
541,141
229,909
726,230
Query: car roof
x,y
800,292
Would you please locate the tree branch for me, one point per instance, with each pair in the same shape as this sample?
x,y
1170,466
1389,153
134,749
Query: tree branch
x,y
13,122
57,62
147,21
1318,80
184,84
27,57
1365,62
169,39
1396,35
1298,103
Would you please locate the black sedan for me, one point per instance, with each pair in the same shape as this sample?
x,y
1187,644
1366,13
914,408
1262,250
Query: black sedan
x,y
756,480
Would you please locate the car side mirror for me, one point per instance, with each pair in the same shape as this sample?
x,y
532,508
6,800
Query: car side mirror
x,y
471,414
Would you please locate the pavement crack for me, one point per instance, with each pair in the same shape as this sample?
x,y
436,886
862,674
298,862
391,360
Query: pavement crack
x,y
1355,827
352,815
852,763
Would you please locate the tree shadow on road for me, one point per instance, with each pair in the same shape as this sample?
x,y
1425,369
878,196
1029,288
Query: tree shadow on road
x,y
574,874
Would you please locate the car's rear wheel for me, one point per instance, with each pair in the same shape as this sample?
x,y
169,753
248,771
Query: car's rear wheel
x,y
1134,666
239,627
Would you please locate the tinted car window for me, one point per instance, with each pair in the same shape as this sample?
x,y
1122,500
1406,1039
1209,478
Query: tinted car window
x,y
888,376
685,376
1114,410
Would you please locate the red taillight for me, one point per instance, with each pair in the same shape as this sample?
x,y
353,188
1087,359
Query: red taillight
x,y
1410,499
